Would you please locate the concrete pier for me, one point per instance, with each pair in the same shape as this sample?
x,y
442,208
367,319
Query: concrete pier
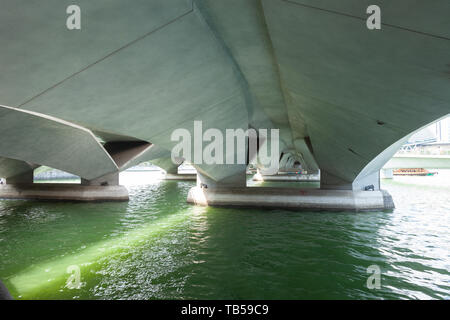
x,y
63,192
290,198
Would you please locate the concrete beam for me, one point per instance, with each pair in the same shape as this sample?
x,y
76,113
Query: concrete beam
x,y
241,27
41,139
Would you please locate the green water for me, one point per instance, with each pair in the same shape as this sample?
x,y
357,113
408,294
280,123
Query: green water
x,y
158,247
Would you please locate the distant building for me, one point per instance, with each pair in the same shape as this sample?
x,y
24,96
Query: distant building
x,y
438,132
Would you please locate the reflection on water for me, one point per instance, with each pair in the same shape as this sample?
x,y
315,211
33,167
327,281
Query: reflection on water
x,y
157,246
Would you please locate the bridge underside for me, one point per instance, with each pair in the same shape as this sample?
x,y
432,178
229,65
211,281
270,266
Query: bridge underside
x,y
98,100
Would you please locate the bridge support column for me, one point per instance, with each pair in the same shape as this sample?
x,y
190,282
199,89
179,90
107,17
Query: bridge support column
x,y
171,170
215,194
105,188
365,188
171,173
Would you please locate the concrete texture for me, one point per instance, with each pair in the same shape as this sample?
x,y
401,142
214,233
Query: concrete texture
x,y
292,198
63,192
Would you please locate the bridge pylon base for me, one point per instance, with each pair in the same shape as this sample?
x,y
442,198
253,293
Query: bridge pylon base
x,y
63,192
292,198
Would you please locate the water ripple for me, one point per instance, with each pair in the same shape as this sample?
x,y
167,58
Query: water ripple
x,y
158,247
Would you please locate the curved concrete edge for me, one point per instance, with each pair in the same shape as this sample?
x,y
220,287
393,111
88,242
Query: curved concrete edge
x,y
63,192
46,140
291,198
180,176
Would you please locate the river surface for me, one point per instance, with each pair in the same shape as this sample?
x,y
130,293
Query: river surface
x,y
157,246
